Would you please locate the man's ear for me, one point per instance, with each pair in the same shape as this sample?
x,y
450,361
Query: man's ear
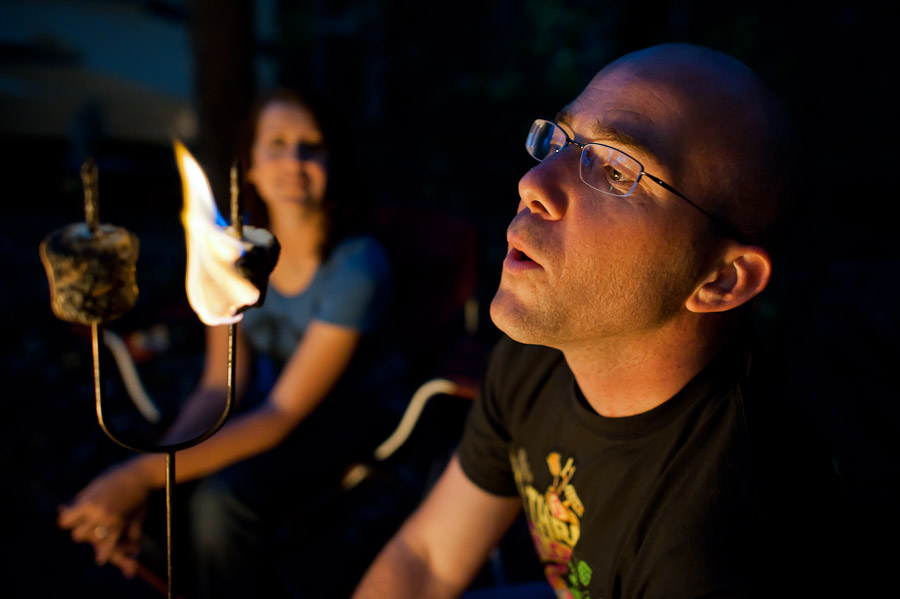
x,y
742,275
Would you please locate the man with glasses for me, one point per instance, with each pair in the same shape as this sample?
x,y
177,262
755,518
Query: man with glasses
x,y
617,414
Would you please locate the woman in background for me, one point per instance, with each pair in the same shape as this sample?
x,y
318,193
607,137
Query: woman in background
x,y
331,390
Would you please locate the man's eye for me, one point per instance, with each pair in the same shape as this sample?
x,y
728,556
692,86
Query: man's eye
x,y
617,177
618,182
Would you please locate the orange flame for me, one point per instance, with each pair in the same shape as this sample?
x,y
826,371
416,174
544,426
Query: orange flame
x,y
215,288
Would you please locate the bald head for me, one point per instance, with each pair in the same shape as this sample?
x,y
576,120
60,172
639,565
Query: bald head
x,y
726,138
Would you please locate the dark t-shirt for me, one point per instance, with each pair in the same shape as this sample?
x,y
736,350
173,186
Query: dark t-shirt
x,y
666,503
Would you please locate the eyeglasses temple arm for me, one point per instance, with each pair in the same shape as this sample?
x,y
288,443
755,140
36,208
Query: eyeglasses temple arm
x,y
730,231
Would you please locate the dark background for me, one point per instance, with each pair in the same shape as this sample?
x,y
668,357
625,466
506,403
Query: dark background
x,y
436,100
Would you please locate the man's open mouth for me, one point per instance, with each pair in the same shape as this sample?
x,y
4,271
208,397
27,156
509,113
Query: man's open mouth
x,y
519,255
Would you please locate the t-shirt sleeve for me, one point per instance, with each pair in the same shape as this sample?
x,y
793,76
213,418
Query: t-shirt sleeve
x,y
356,286
484,448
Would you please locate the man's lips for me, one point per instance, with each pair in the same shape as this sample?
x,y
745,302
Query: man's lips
x,y
517,257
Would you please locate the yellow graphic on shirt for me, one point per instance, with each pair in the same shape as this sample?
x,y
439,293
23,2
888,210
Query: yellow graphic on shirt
x,y
554,521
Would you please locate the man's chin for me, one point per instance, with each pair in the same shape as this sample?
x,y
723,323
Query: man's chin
x,y
516,320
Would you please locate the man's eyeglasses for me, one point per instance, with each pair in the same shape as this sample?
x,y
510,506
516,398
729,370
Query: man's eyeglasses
x,y
603,167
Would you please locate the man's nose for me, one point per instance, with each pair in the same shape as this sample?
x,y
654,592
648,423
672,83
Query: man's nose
x,y
543,188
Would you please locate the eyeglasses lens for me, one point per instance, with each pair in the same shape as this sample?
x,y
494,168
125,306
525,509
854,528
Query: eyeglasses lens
x,y
544,139
608,170
602,167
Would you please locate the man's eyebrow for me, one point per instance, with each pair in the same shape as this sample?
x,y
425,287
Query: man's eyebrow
x,y
563,118
619,138
607,134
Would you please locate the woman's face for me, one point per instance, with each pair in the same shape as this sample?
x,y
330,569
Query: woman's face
x,y
288,157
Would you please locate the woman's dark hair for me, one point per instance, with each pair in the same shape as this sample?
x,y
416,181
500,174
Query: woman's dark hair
x,y
342,205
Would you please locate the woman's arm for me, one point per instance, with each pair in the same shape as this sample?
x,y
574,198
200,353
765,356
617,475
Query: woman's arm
x,y
111,499
312,371
108,511
204,406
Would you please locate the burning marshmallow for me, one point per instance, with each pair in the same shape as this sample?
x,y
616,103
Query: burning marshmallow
x,y
226,273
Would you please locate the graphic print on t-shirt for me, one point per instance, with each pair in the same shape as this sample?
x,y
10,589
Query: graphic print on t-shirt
x,y
554,521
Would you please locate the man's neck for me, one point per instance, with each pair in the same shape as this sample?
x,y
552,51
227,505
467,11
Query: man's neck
x,y
627,377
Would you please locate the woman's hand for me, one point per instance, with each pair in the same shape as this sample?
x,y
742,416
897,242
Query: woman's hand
x,y
125,553
108,512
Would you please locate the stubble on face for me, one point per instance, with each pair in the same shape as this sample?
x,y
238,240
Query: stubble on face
x,y
594,289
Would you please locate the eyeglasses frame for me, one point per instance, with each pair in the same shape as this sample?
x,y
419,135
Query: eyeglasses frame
x,y
724,227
